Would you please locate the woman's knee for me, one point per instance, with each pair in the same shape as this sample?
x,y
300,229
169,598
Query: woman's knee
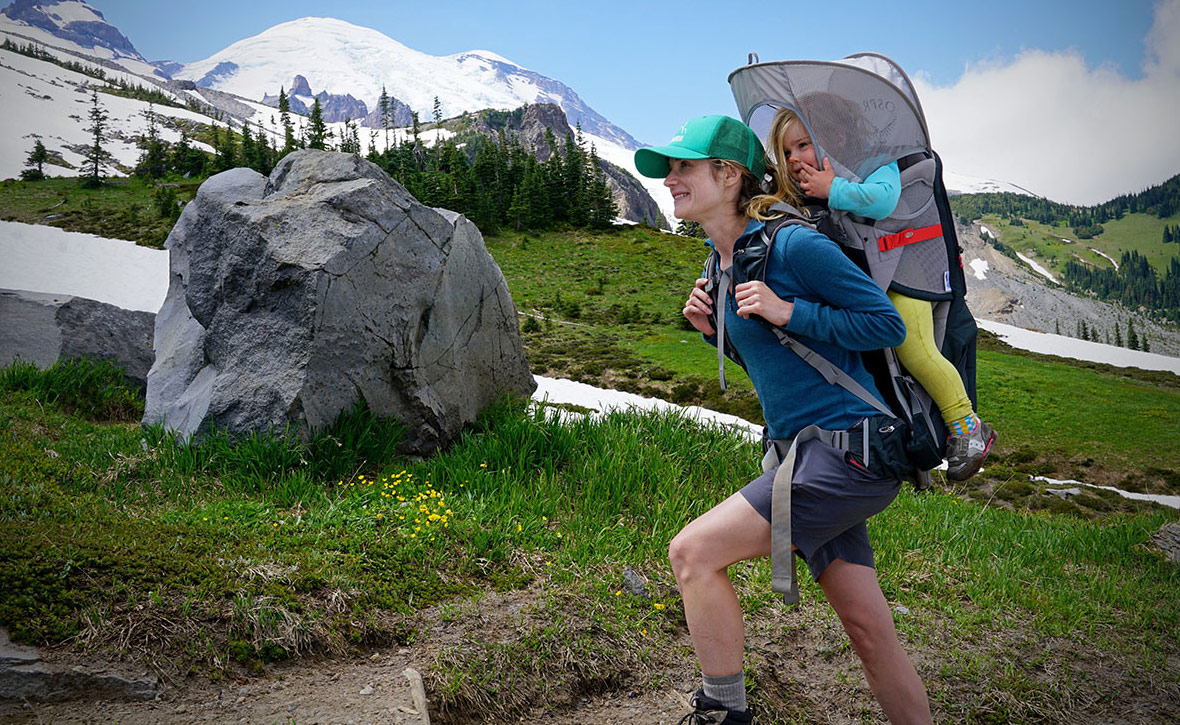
x,y
686,554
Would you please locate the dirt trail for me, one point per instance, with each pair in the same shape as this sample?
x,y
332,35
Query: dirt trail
x,y
323,692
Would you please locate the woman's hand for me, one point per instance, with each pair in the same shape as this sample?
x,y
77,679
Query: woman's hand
x,y
699,307
816,182
755,298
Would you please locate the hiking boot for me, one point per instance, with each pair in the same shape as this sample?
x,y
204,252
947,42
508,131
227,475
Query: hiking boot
x,y
707,711
966,453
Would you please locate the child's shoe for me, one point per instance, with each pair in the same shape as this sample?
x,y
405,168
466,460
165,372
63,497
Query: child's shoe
x,y
707,711
966,453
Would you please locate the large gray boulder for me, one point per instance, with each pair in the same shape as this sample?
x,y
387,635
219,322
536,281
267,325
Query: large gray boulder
x,y
292,298
43,328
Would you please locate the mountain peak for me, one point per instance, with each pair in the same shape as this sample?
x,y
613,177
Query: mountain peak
x,y
73,21
350,60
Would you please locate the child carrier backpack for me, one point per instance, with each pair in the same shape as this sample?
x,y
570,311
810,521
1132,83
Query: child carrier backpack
x,y
901,440
862,113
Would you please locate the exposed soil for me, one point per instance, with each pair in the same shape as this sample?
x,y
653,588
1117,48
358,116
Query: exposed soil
x,y
804,668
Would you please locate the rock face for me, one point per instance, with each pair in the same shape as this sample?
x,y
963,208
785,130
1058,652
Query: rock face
x,y
43,328
1167,540
1007,291
334,107
632,199
292,298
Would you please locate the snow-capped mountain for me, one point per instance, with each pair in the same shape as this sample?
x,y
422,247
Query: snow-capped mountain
x,y
961,184
348,68
72,25
357,61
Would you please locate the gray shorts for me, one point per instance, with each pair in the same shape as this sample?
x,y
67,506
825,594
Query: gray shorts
x,y
831,498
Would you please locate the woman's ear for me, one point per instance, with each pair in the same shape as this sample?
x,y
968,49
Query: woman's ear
x,y
730,175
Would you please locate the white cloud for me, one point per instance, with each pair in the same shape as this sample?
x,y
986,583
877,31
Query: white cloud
x,y
1071,133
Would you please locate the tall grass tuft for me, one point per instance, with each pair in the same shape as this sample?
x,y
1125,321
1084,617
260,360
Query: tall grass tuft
x,y
94,389
278,463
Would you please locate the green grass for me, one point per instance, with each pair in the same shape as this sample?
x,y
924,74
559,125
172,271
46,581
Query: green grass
x,y
1046,245
119,530
123,208
254,550
1078,412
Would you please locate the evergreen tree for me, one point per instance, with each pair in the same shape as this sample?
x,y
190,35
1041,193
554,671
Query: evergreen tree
x,y
226,148
96,156
261,155
153,162
601,201
317,130
350,142
437,110
416,125
537,214
186,160
289,143
385,106
1118,334
573,182
1132,337
249,151
517,210
35,160
1056,323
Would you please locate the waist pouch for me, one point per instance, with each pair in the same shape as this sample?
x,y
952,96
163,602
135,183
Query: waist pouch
x,y
882,444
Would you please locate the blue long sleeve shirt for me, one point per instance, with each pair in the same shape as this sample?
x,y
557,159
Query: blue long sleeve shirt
x,y
875,198
838,312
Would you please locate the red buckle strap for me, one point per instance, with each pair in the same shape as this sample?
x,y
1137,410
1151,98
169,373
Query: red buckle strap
x,y
909,236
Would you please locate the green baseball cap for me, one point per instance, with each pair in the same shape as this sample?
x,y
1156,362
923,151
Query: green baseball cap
x,y
705,137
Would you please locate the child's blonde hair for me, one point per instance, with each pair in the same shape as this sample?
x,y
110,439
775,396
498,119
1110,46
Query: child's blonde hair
x,y
782,187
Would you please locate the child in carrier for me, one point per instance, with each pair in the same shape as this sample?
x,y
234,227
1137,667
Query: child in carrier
x,y
792,153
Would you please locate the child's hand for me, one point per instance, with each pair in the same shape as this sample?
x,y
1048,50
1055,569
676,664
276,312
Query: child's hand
x,y
699,307
816,182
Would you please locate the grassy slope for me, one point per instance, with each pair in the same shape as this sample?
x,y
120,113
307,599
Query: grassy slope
x,y
122,209
1139,232
105,543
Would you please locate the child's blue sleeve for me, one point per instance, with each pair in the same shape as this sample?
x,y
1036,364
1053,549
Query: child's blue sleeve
x,y
876,198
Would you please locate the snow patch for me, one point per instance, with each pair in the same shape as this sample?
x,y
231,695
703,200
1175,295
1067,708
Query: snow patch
x,y
57,114
600,401
979,267
1038,268
1071,347
73,12
1164,500
1116,264
51,260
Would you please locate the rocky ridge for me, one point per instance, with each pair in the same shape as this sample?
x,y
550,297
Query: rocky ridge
x,y
1012,293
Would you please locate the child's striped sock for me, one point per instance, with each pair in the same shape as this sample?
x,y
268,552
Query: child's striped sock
x,y
963,426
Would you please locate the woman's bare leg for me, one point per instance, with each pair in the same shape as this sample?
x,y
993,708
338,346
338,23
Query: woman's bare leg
x,y
730,532
855,594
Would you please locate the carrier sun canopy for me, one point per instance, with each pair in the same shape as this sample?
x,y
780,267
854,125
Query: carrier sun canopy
x,y
862,111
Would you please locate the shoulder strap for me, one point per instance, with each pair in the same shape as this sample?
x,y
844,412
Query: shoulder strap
x,y
830,372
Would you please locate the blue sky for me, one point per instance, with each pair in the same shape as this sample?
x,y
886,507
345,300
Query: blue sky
x,y
648,66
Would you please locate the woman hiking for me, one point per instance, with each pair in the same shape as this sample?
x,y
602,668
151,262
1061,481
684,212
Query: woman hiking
x,y
712,168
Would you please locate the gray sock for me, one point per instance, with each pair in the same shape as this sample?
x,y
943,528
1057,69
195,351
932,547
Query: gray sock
x,y
729,690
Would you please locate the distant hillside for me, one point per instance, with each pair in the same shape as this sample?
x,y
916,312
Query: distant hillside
x,y
1162,202
1126,250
